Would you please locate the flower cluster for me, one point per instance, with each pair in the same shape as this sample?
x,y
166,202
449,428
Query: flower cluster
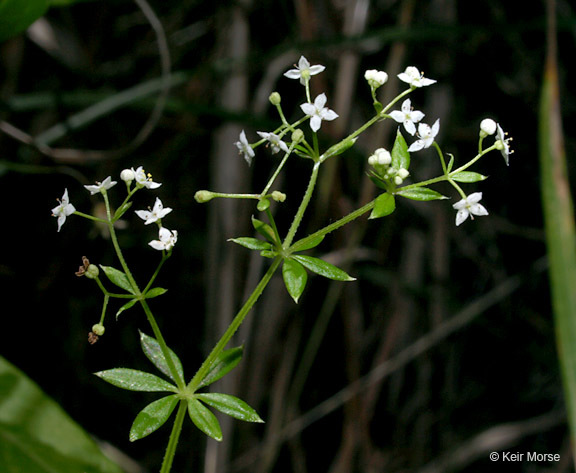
x,y
135,180
381,161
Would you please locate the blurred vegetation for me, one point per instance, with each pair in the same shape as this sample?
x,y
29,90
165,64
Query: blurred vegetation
x,y
454,324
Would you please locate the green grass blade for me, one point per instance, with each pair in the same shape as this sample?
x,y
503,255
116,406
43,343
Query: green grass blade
x,y
560,231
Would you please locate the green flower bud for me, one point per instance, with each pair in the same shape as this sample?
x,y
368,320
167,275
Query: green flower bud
x,y
275,98
278,196
203,196
298,135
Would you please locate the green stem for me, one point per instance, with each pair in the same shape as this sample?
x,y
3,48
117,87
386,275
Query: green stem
x,y
303,205
333,226
152,279
174,436
233,327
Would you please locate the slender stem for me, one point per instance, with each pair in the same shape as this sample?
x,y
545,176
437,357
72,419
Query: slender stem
x,y
303,205
90,217
233,327
333,226
174,436
152,279
278,169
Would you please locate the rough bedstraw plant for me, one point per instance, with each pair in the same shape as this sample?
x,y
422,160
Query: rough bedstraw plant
x,y
389,171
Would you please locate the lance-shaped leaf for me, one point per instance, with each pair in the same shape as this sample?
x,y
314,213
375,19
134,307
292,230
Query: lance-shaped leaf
x,y
264,229
230,405
422,194
135,380
252,243
152,417
117,277
122,210
155,292
204,419
468,176
295,278
16,15
307,243
153,352
384,205
400,155
224,363
126,306
323,268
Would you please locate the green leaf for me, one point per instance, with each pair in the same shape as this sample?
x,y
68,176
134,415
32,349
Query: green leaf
x,y
307,243
377,180
384,205
295,278
399,153
450,163
126,306
468,176
152,417
38,436
17,15
224,363
230,405
121,211
422,194
323,268
117,277
135,380
153,352
339,148
252,243
264,229
155,292
204,419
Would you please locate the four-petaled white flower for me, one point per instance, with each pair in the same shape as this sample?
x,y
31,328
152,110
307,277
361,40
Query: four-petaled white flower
x,y
144,179
276,144
157,213
303,71
414,77
63,210
101,186
166,239
407,116
245,148
505,147
469,207
426,135
318,112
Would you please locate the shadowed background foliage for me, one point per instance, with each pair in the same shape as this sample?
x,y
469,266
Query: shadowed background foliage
x,y
454,324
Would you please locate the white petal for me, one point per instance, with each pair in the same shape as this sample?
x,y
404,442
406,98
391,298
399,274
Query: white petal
x,y
292,74
474,197
303,63
410,127
397,116
315,123
461,216
328,114
317,69
435,128
308,109
320,101
416,146
478,209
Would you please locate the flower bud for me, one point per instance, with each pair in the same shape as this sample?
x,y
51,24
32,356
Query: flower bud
x,y
487,127
279,196
375,78
127,175
297,135
403,173
98,329
203,196
275,98
383,156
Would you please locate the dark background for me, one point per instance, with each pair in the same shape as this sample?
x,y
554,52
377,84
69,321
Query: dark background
x,y
492,384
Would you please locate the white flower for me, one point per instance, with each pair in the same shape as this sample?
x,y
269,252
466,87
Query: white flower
x,y
504,147
426,135
303,71
407,116
63,210
166,239
144,179
375,78
318,112
245,148
101,186
157,213
487,127
469,207
276,143
413,77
